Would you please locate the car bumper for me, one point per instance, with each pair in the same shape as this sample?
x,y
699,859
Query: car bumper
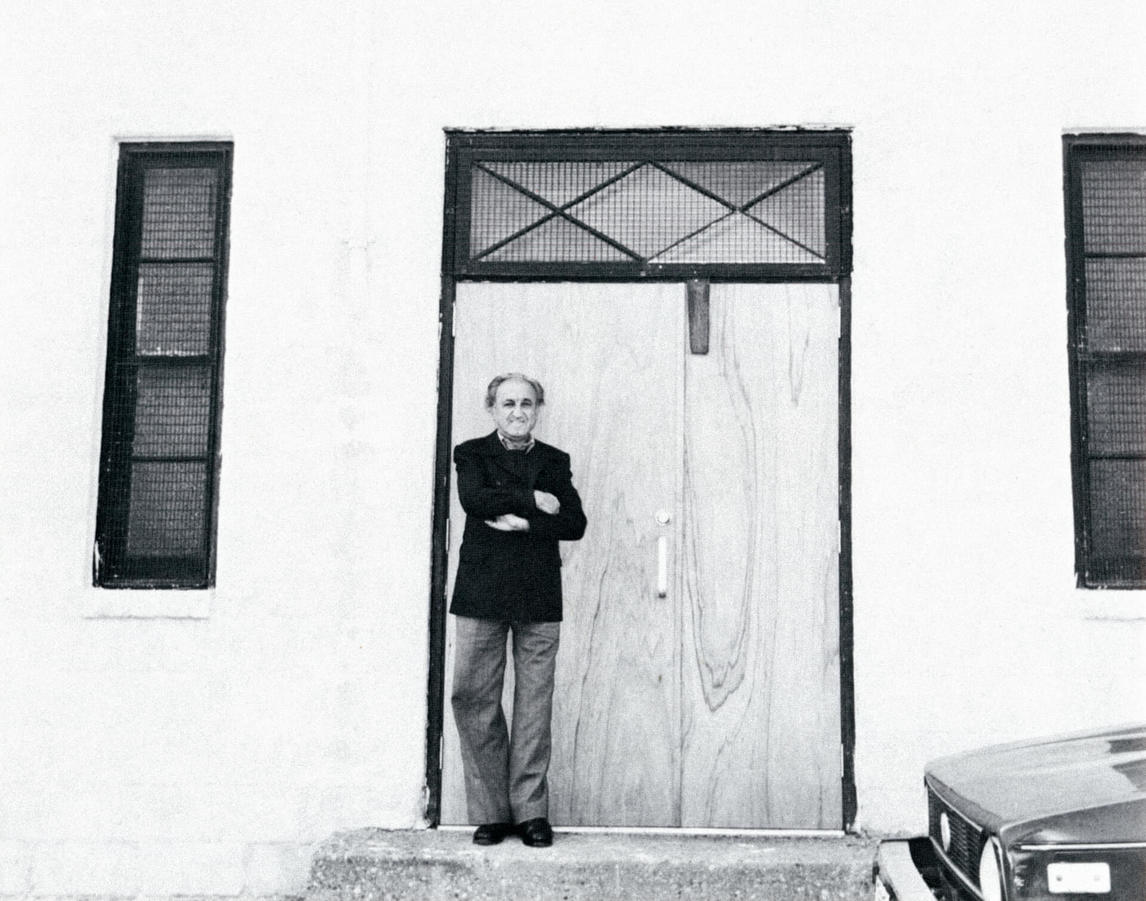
x,y
896,872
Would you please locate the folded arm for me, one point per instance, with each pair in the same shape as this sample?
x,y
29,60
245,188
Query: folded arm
x,y
568,523
483,500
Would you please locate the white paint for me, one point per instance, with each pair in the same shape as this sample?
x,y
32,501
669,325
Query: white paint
x,y
290,702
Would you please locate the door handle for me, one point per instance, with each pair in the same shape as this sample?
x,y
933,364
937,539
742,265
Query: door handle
x,y
662,567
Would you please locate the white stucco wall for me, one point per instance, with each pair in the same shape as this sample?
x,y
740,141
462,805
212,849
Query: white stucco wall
x,y
203,754
204,751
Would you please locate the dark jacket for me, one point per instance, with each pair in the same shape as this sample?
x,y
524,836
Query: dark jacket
x,y
513,576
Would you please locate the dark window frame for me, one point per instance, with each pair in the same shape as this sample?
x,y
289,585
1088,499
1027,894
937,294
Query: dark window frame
x,y
113,567
832,149
1093,569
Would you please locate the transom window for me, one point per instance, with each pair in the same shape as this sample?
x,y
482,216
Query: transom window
x,y
754,205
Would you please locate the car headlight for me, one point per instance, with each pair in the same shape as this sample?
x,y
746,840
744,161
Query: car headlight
x,y
991,871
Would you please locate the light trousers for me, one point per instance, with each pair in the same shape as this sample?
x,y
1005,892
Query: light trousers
x,y
506,770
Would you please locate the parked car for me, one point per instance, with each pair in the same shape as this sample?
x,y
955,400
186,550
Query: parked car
x,y
1055,819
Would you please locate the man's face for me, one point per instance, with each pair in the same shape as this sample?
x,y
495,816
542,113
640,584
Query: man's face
x,y
515,409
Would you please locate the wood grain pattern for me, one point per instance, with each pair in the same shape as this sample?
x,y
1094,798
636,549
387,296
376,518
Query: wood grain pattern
x,y
609,357
760,691
717,705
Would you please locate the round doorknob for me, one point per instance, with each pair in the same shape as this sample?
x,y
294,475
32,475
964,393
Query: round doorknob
x,y
663,517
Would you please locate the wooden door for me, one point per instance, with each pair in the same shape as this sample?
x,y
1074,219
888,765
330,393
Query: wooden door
x,y
609,358
697,680
761,695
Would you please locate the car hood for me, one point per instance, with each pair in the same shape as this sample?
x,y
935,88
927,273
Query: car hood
x,y
1085,787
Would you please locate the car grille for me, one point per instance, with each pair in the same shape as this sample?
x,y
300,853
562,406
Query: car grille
x,y
966,840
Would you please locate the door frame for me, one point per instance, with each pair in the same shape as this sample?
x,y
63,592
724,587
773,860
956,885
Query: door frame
x,y
462,146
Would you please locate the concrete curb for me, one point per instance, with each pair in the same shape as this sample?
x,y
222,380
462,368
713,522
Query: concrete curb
x,y
374,864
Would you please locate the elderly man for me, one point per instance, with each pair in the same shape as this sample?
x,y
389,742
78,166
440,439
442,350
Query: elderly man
x,y
519,500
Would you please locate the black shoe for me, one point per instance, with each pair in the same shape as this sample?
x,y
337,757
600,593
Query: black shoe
x,y
537,833
492,833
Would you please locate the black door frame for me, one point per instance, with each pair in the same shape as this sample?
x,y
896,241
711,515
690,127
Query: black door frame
x,y
464,146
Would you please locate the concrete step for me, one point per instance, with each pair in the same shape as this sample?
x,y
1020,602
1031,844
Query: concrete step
x,y
370,864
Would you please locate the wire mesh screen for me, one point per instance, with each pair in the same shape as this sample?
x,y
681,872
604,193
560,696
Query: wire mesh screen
x,y
173,308
1110,239
696,212
1114,206
168,509
1116,410
1116,304
1118,508
172,411
160,408
179,212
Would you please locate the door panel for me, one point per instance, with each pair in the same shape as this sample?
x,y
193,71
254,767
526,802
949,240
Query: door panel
x,y
609,358
760,536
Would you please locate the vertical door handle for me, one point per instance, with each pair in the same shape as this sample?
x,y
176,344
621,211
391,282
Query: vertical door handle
x,y
663,519
662,567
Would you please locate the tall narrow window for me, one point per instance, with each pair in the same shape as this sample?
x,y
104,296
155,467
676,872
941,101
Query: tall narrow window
x,y
1106,247
159,461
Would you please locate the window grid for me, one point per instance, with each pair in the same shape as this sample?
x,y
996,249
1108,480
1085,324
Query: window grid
x,y
699,212
159,461
1106,225
756,205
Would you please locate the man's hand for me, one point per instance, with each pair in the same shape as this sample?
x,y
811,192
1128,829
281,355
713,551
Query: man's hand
x,y
546,502
509,522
